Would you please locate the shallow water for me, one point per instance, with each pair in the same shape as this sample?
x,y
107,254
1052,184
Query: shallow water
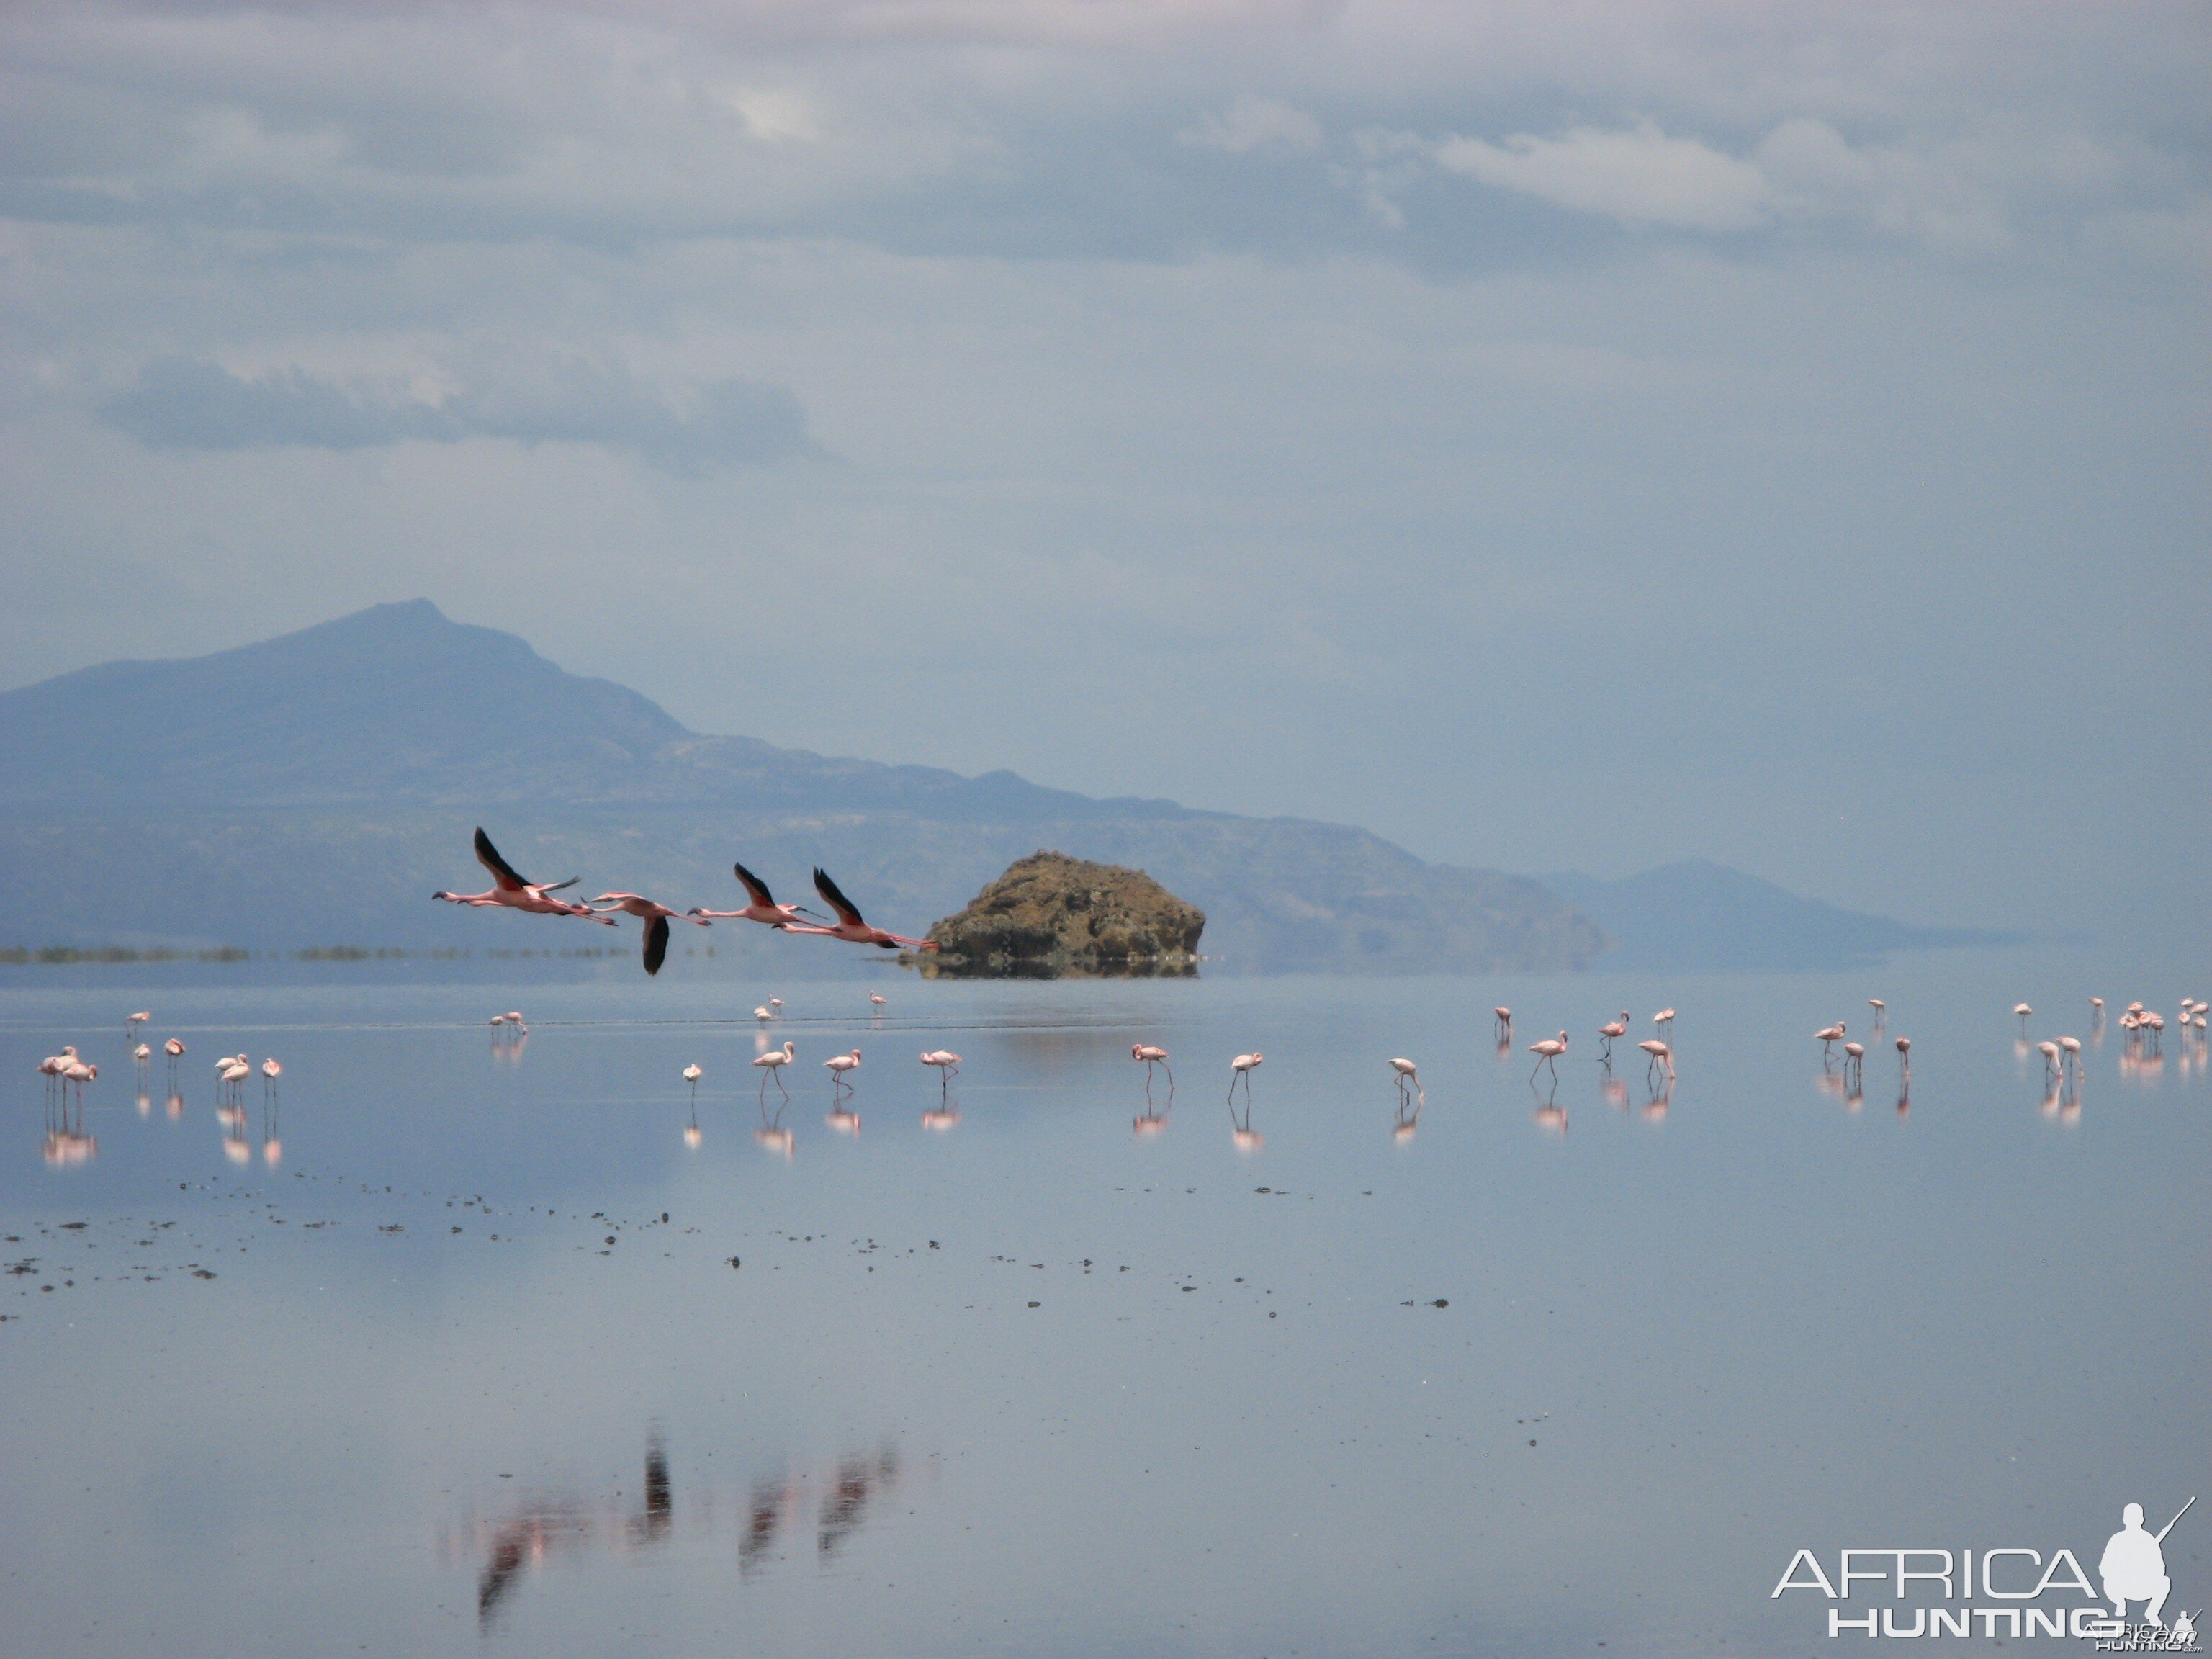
x,y
1549,1371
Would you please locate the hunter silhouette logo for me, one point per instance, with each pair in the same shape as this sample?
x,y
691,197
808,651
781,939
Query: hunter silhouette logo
x,y
2007,1591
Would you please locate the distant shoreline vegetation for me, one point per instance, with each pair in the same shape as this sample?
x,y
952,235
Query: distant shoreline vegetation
x,y
70,956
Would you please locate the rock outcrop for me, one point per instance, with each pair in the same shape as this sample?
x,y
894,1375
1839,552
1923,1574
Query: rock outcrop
x,y
1050,915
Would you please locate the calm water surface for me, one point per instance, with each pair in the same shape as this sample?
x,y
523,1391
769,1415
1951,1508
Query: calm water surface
x,y
461,1346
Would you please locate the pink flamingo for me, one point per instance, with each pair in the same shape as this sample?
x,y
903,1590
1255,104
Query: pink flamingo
x,y
849,926
1828,1035
1619,1028
511,891
1547,1052
1501,1024
763,909
1243,1066
1409,1079
1664,1019
947,1064
270,1071
656,917
772,1064
1657,1054
1152,1057
841,1069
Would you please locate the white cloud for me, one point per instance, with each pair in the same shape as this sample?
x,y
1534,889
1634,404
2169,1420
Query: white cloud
x,y
1255,123
1638,175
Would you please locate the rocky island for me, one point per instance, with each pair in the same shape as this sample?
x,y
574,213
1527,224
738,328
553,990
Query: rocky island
x,y
1050,915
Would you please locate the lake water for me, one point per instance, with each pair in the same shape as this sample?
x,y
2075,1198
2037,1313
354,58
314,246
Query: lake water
x,y
463,1345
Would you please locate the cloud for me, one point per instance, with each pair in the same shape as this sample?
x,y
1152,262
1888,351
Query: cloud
x,y
181,403
1255,123
1638,175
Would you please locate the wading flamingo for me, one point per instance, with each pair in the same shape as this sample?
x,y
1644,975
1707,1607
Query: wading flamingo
x,y
947,1064
1664,1019
1826,1036
1501,1025
841,1069
1619,1028
691,1074
1657,1054
772,1064
1243,1066
1547,1052
270,1071
134,1021
2023,1010
1409,1079
1152,1057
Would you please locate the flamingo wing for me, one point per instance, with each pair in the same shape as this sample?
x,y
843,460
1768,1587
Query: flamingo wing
x,y
755,889
835,900
656,944
502,873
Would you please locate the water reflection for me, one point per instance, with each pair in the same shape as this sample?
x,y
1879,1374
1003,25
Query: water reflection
x,y
545,1526
67,1145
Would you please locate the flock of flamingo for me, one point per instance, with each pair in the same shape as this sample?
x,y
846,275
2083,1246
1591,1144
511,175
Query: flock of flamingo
x,y
69,1072
509,890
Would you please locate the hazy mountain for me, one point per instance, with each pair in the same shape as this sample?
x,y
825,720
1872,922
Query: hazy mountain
x,y
1700,915
313,789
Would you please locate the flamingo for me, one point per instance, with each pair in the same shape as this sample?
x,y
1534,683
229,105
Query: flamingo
x,y
1905,1054
512,891
1879,1006
1827,1035
270,1071
1855,1058
876,1001
2052,1065
1619,1028
2023,1010
947,1064
763,1014
1409,1077
1657,1054
691,1074
2073,1047
141,1054
772,1064
79,1072
656,917
134,1021
1152,1057
1664,1019
1548,1052
175,1050
849,926
1501,1025
763,909
1242,1067
776,1003
841,1069
516,1020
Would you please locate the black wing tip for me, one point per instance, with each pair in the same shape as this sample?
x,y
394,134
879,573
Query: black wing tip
x,y
656,944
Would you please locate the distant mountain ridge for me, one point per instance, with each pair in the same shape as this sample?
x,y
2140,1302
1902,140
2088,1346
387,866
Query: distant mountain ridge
x,y
313,788
1698,914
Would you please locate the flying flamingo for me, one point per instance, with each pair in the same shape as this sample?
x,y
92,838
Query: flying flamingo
x,y
1827,1035
691,1074
772,1064
656,917
1616,1029
841,1068
849,926
1657,1054
1242,1067
1547,1052
762,909
512,891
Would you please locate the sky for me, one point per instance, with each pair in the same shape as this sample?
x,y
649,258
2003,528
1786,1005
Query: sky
x,y
1552,435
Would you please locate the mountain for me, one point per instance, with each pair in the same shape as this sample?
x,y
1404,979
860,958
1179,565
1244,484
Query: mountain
x,y
313,789
1697,915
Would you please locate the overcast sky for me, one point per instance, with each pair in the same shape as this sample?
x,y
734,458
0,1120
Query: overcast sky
x,y
1552,435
